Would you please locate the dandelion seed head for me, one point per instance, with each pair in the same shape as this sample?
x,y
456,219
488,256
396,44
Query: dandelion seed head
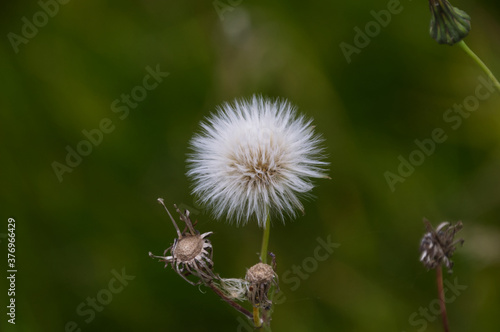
x,y
253,157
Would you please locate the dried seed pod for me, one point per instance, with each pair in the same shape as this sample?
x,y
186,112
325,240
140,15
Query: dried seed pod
x,y
260,277
191,253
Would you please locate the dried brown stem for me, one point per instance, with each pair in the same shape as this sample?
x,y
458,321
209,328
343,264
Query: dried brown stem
x,y
439,279
230,302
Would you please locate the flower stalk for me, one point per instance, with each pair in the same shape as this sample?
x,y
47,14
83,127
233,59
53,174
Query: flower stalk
x,y
263,258
256,317
437,247
480,63
450,25
439,280
265,239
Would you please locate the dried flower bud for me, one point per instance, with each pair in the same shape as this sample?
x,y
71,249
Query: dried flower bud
x,y
437,246
191,252
449,25
260,277
188,247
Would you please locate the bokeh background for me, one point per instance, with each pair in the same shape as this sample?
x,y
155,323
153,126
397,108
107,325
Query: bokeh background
x,y
103,216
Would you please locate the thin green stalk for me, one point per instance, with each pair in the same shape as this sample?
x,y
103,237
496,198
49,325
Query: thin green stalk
x,y
263,258
267,327
266,315
481,64
265,239
256,318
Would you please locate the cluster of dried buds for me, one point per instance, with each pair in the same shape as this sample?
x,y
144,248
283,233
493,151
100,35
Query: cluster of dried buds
x,y
437,245
191,256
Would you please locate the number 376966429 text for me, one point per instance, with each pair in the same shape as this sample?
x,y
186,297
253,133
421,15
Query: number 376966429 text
x,y
11,270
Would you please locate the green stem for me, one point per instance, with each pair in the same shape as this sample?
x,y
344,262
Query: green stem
x,y
266,315
265,239
256,318
481,64
263,259
267,327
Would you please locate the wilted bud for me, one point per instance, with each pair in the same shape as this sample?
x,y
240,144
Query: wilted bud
x,y
260,277
191,253
437,246
449,25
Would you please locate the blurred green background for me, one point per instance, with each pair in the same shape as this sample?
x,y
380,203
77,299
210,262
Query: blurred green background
x,y
103,215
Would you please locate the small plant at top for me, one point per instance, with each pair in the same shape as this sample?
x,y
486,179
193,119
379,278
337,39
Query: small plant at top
x,y
450,25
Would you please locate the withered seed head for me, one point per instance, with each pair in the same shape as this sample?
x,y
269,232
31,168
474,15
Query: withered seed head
x,y
188,247
191,253
260,277
437,246
260,273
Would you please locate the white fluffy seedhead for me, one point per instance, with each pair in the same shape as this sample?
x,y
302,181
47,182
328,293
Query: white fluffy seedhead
x,y
255,157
